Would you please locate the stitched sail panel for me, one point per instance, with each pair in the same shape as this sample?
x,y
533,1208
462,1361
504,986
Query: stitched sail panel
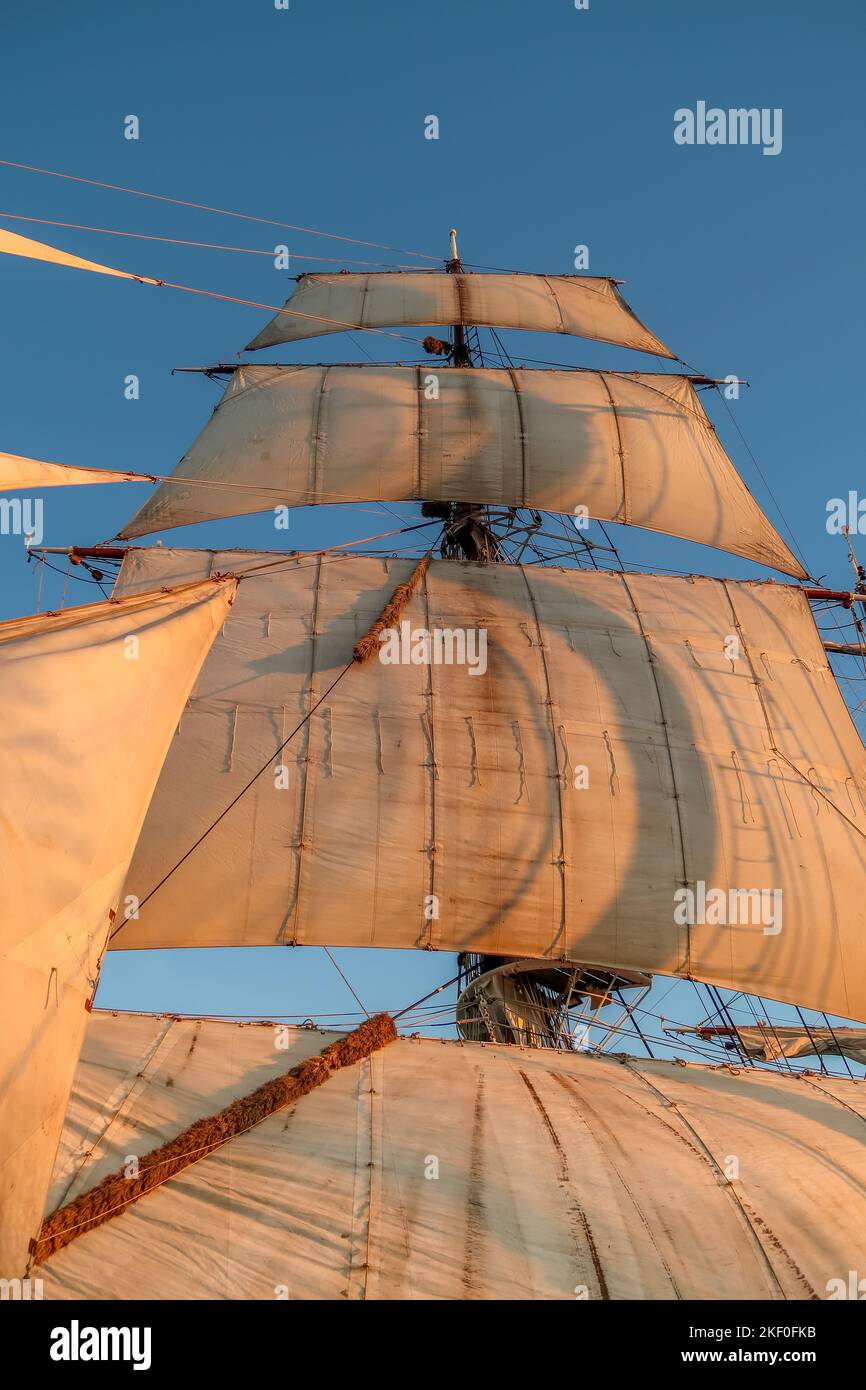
x,y
623,737
588,306
628,448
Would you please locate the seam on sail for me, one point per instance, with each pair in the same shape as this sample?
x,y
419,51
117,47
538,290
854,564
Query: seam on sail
x,y
620,451
684,882
522,428
429,716
551,722
309,700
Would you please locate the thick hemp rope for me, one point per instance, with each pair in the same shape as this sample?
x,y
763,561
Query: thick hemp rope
x,y
117,1191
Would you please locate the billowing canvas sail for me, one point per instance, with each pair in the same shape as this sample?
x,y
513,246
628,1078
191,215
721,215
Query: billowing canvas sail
x,y
91,699
608,742
17,472
631,448
11,244
561,1175
587,306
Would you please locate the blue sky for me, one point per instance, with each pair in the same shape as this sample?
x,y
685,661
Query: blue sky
x,y
556,129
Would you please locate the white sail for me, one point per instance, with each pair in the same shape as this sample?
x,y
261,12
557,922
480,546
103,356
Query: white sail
x,y
626,737
555,1172
91,699
588,306
631,448
17,472
11,244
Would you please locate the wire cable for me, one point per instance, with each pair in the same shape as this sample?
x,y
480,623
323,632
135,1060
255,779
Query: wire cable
x,y
223,212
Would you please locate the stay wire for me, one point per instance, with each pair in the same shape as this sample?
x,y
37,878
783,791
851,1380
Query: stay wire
x,y
223,212
199,245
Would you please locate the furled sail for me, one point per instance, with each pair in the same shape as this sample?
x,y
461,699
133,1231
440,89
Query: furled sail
x,y
331,1202
11,244
602,746
17,472
587,306
76,784
770,1042
625,447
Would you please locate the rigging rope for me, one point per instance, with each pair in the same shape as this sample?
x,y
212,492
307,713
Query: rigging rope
x,y
362,652
200,245
345,980
99,1204
223,212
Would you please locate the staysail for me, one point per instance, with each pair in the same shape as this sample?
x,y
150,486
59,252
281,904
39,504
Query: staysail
x,y
633,448
608,742
587,306
17,472
76,784
11,244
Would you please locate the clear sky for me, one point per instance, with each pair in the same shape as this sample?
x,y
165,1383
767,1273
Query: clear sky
x,y
556,129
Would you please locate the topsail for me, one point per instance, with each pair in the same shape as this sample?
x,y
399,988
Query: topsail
x,y
612,752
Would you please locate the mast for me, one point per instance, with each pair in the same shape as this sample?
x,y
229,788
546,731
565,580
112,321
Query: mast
x,y
465,533
521,1002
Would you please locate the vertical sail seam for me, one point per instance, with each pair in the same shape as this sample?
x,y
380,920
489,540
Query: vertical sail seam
x,y
419,434
522,424
304,760
626,509
555,297
560,861
429,713
313,483
684,882
757,1229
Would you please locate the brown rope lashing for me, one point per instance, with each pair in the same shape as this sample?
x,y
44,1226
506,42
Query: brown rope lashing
x,y
369,643
115,1193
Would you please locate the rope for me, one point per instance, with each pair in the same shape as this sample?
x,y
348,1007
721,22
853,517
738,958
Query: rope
x,y
93,1208
223,212
293,313
201,245
345,981
797,549
255,777
362,652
